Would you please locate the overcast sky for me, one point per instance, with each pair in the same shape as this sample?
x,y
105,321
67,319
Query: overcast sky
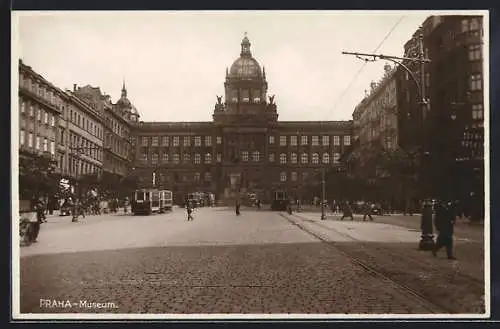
x,y
174,63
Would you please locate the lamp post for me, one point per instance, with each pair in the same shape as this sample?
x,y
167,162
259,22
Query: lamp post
x,y
323,193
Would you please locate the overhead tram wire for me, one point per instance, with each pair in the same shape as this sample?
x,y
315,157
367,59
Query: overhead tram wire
x,y
363,66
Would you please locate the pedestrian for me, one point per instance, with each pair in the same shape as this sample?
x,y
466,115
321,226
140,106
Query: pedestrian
x,y
367,211
444,222
347,211
289,207
237,208
189,211
40,216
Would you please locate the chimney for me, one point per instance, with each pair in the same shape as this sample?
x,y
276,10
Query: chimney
x,y
373,85
74,87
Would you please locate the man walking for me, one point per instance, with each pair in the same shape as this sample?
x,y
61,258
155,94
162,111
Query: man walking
x,y
189,211
347,211
367,211
445,220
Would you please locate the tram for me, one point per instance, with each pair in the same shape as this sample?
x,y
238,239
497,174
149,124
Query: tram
x,y
167,200
148,201
280,201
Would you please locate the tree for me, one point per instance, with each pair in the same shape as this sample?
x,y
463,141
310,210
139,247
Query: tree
x,y
37,176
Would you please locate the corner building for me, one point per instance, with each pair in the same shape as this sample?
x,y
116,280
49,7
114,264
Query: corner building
x,y
244,148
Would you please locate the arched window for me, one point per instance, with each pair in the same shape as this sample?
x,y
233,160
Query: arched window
x,y
282,158
304,158
315,158
283,176
197,158
293,157
293,176
326,158
175,158
208,158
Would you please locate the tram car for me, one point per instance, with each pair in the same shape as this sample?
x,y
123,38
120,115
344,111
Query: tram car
x,y
280,201
167,200
148,201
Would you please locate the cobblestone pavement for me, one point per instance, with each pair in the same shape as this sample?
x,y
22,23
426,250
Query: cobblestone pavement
x,y
455,285
219,263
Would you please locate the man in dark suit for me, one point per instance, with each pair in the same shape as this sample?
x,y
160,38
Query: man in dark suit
x,y
445,220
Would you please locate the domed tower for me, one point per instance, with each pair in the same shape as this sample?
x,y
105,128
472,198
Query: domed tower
x,y
245,91
125,106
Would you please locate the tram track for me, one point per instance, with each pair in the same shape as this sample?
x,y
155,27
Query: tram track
x,y
425,302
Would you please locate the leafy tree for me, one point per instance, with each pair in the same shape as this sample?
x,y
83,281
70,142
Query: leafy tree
x,y
37,176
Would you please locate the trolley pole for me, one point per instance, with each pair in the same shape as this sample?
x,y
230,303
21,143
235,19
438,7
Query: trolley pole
x,y
323,194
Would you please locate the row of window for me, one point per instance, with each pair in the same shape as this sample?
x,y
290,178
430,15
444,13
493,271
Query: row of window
x,y
37,142
80,167
477,111
293,140
256,157
293,176
116,127
40,89
304,140
85,146
41,114
86,124
187,140
475,82
470,25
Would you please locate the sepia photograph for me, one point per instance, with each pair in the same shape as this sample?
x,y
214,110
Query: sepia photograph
x,y
250,165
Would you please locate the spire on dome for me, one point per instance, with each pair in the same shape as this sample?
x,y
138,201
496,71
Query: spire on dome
x,y
245,47
124,90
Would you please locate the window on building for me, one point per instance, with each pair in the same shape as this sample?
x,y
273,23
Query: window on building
x,y
21,137
39,115
208,140
336,157
208,158
37,144
271,139
293,176
197,176
293,140
164,157
474,52
293,157
154,141
144,141
208,176
304,158
245,95
32,110
326,158
256,156
336,140
23,106
303,140
315,140
282,158
304,176
315,158
219,157
197,140
325,140
61,161
477,111
474,24
347,140
465,25
244,156
283,176
197,158
475,82
30,140
282,140
271,157
187,141
52,147
186,158
176,141
219,140
175,158
165,140
45,145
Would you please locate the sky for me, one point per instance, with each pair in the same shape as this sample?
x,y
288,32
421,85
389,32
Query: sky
x,y
174,63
